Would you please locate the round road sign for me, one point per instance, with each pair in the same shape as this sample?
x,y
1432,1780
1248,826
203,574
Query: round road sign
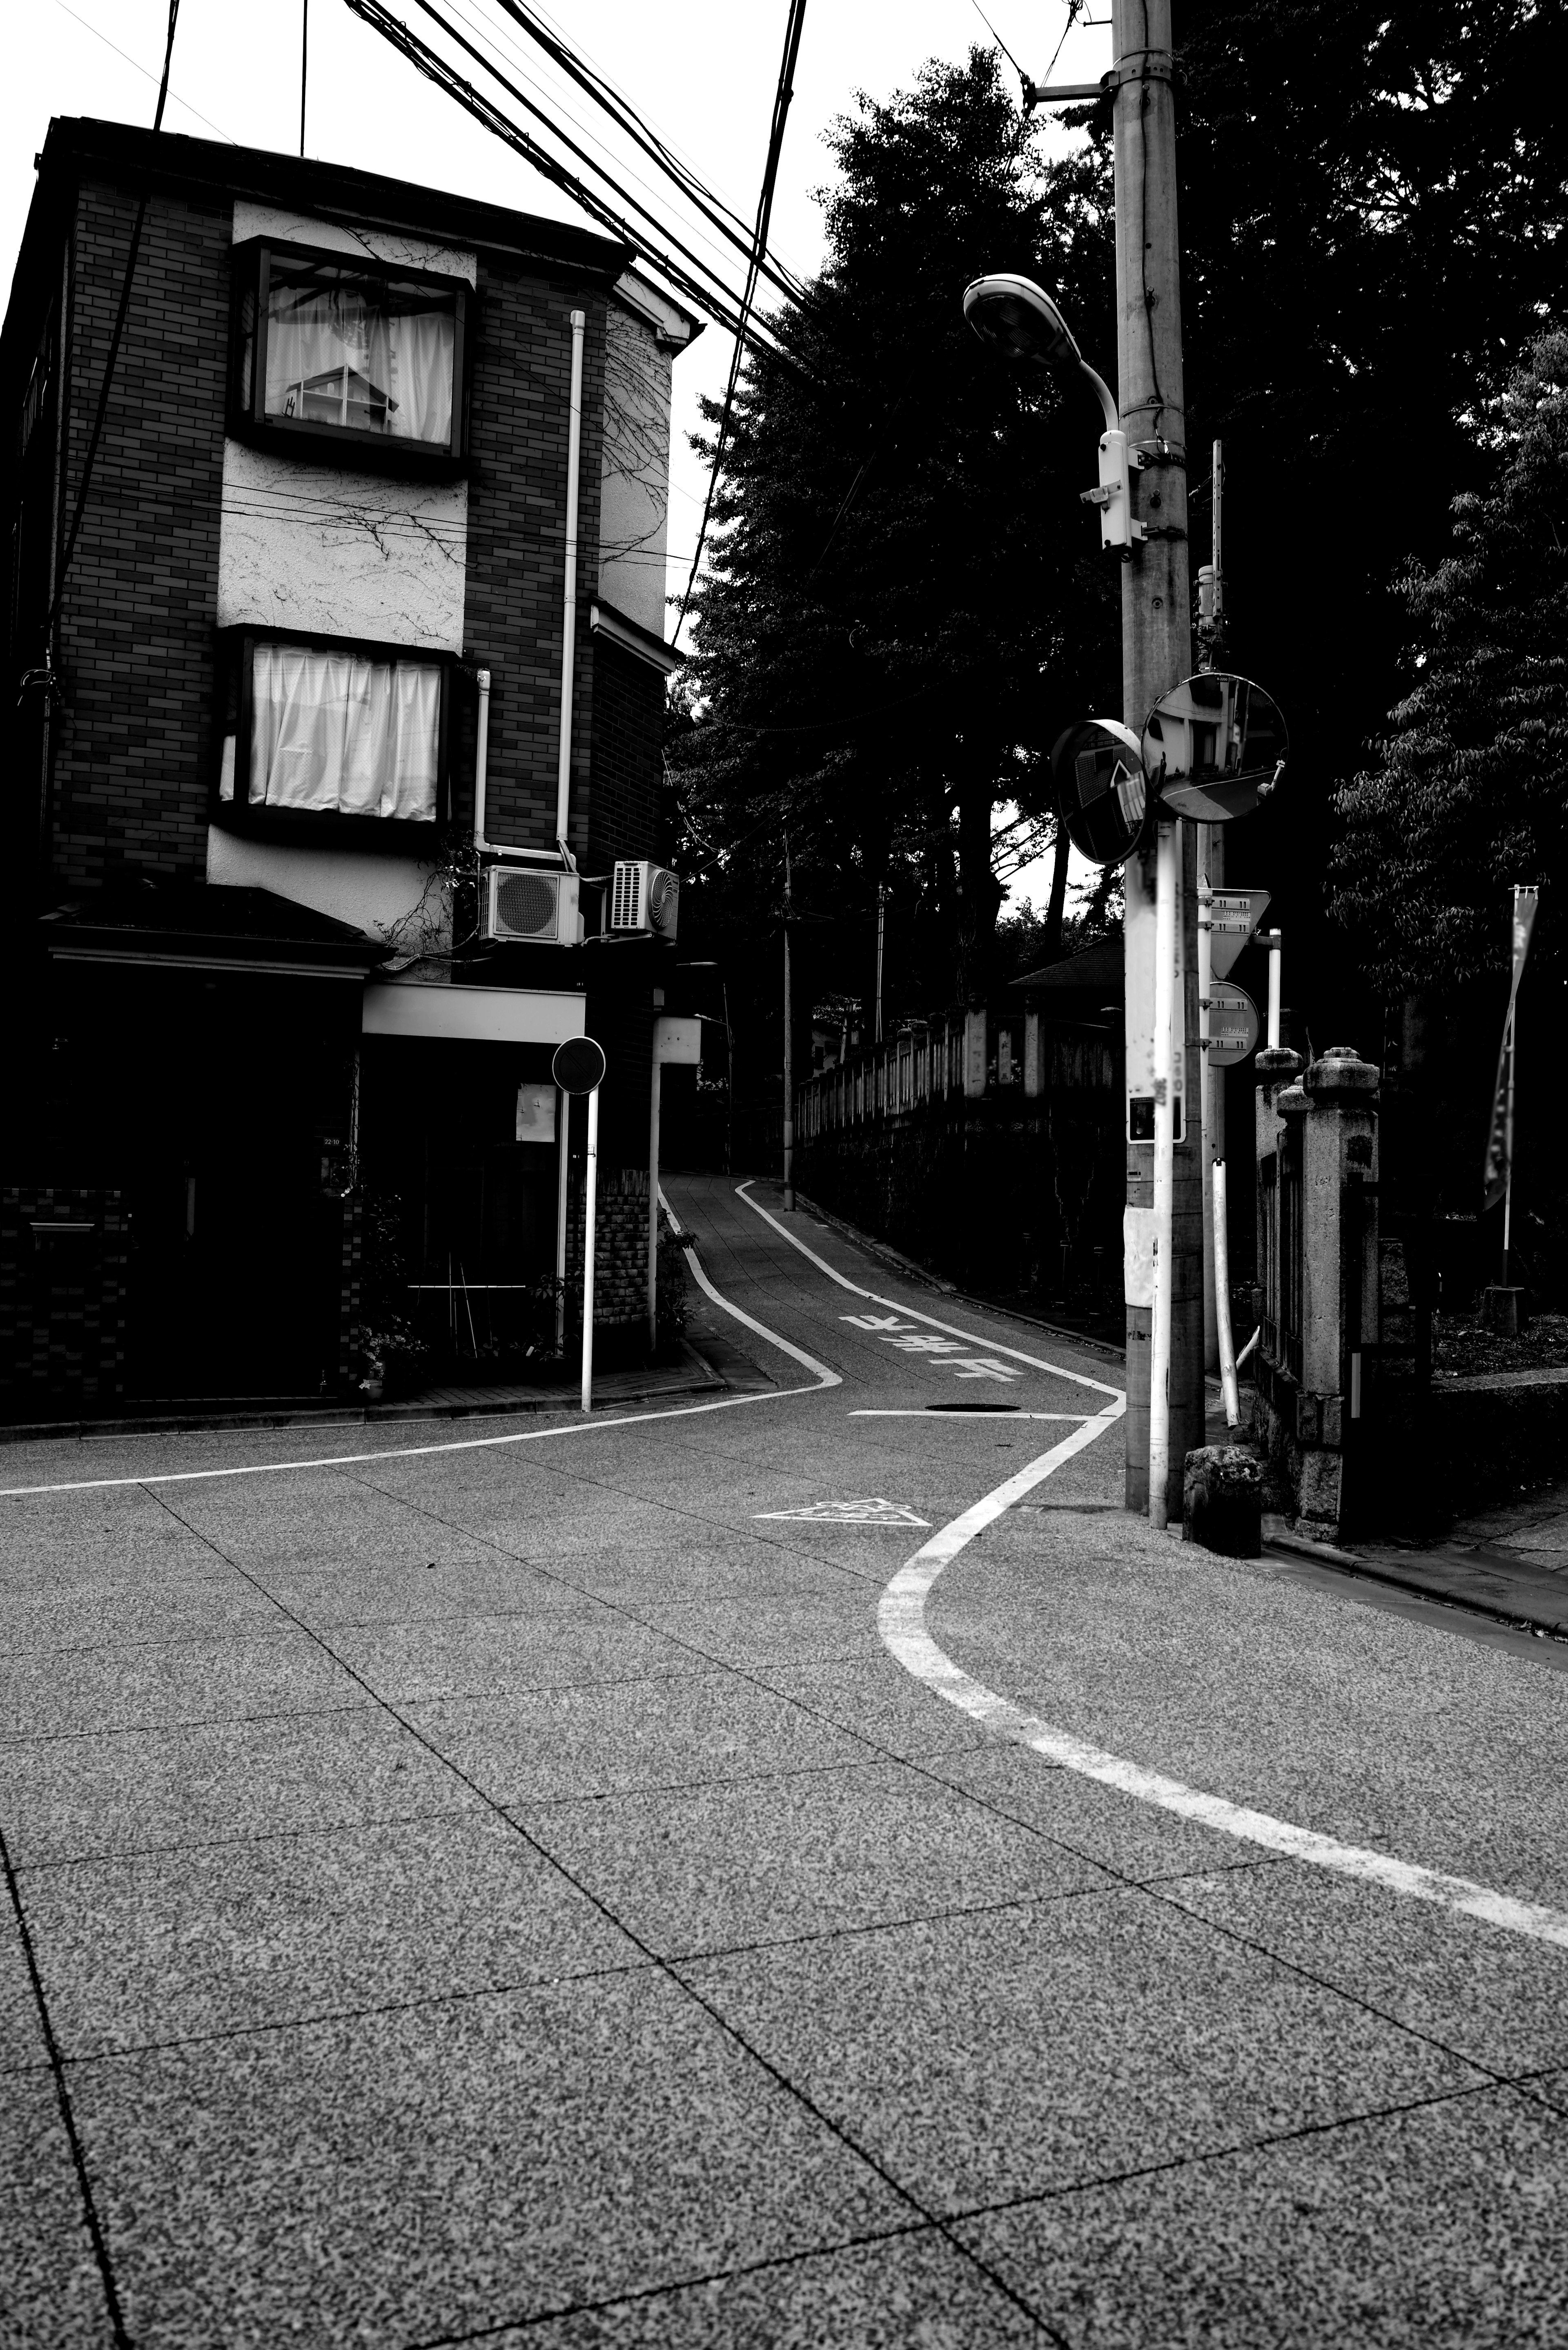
x,y
578,1065
1100,795
1213,747
1233,1026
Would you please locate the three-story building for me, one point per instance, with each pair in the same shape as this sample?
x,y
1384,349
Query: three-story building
x,y
337,700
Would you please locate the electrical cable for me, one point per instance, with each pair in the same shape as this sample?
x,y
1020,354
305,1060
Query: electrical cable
x,y
581,153
782,97
642,134
995,36
109,364
700,289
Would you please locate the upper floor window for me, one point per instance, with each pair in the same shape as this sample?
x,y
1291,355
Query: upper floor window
x,y
329,350
316,728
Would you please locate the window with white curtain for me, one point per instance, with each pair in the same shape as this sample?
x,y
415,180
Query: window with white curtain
x,y
337,733
337,348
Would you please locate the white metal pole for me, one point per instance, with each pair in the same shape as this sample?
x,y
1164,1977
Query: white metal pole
x,y
881,912
1167,874
653,1195
1207,1094
1275,945
1222,1302
569,613
563,1154
590,1203
1508,1148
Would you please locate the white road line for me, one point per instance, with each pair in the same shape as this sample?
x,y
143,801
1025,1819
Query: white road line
x,y
901,1622
993,1345
586,1426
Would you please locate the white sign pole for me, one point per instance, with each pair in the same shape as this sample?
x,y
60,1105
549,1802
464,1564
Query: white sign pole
x,y
654,1093
1222,1302
1168,870
1207,1094
1275,944
590,1203
563,1162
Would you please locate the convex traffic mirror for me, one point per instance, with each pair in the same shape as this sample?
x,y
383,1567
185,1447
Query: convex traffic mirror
x,y
1097,772
1213,747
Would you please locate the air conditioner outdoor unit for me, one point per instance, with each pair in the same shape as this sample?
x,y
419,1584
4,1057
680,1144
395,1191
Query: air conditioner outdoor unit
x,y
541,907
644,897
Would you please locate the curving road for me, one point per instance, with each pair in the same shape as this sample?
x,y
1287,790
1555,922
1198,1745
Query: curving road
x,y
795,1867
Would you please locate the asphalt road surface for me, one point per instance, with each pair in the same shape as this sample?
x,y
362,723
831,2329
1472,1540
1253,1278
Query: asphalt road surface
x,y
799,1867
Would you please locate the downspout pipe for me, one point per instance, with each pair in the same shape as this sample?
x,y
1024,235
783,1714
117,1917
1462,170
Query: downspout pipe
x,y
570,616
481,759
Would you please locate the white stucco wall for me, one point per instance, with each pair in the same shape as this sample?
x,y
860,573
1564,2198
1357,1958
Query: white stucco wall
x,y
634,473
333,236
388,897
349,555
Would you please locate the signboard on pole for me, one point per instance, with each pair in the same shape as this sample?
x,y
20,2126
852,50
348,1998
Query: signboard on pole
x,y
1233,1026
1213,747
1231,918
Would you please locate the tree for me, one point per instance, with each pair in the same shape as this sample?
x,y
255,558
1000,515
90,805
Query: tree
x,y
1470,794
905,601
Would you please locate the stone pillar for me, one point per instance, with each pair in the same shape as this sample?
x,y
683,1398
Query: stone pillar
x,y
974,1052
1033,1054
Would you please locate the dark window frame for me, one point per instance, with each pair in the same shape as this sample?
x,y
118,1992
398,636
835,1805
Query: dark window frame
x,y
322,826
339,444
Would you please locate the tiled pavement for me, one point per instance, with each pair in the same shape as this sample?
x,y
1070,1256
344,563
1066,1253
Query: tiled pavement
x,y
512,1896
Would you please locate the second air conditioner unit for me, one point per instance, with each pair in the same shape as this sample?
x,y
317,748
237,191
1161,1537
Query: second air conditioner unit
x,y
644,897
541,907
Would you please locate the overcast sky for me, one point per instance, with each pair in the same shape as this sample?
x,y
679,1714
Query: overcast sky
x,y
703,72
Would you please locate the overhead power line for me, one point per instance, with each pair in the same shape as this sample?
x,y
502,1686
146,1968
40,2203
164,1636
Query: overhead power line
x,y
693,277
642,135
782,97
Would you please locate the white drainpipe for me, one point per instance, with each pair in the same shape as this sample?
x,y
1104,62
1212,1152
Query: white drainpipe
x,y
569,627
481,759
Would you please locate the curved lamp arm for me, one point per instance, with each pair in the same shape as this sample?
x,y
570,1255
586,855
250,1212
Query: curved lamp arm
x,y
1113,422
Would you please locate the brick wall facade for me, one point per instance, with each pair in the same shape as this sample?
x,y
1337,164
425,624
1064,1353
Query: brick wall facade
x,y
134,742
628,735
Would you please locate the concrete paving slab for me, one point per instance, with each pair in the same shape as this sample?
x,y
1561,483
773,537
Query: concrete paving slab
x,y
914,2289
413,1589
1441,2229
150,1791
21,2033
681,1567
755,1634
823,1851
1495,1997
443,2169
879,1702
51,2290
1115,1830
228,1938
159,1684
983,2058
116,1613
566,1744
1274,1694
504,1656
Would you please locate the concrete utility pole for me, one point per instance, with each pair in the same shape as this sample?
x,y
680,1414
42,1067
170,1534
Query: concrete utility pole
x,y
788,1043
1157,653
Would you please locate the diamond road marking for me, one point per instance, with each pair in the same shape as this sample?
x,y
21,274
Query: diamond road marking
x,y
872,1512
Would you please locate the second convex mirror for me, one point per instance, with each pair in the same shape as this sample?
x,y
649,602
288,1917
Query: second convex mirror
x,y
1213,747
1100,796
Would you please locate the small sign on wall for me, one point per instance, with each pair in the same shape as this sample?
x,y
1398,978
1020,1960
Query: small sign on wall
x,y
1138,1255
535,1113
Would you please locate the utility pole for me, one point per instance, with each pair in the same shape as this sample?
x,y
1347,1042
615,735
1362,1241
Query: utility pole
x,y
881,932
1157,653
788,1046
1211,877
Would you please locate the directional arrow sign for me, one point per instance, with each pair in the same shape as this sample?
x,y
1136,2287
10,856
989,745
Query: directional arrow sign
x,y
1233,1026
1233,915
849,1514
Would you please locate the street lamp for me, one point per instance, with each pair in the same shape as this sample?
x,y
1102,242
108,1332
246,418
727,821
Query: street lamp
x,y
1019,319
